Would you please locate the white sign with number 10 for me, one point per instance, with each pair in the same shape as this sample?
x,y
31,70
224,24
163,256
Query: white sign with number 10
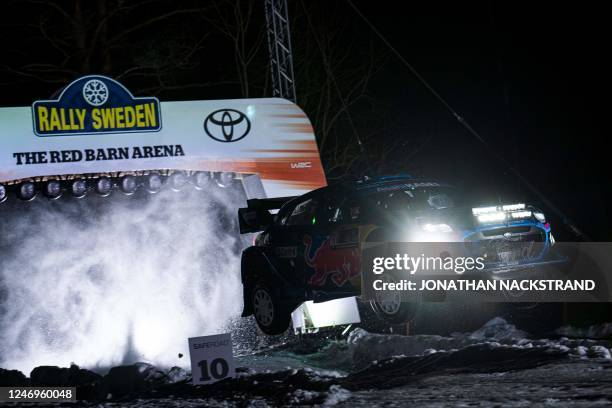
x,y
211,358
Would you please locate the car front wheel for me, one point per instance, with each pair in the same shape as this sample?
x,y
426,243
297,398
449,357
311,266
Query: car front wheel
x,y
395,312
389,306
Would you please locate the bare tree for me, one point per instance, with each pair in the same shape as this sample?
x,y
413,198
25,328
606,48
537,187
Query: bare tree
x,y
238,21
178,48
152,41
333,76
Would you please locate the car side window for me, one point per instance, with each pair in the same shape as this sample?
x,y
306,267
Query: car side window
x,y
305,213
335,212
329,211
283,215
348,212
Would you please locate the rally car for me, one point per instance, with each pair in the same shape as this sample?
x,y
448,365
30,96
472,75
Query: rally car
x,y
310,249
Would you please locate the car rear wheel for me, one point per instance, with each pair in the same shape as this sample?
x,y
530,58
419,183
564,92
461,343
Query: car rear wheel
x,y
272,315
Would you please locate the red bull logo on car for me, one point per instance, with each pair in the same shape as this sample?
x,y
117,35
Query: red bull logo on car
x,y
95,104
338,264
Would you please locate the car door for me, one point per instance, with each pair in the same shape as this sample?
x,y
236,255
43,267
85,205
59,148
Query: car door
x,y
299,227
282,247
331,252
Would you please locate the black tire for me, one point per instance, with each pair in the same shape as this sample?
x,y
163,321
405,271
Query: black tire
x,y
405,313
272,315
392,309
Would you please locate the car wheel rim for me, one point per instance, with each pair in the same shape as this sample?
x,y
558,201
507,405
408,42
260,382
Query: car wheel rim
x,y
264,308
390,307
389,303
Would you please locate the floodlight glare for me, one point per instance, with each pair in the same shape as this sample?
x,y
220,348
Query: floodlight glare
x,y
202,179
178,180
492,217
2,193
27,191
53,189
79,188
128,185
154,183
225,179
540,216
104,186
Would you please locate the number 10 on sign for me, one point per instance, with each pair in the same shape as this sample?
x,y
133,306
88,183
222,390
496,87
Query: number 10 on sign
x,y
211,358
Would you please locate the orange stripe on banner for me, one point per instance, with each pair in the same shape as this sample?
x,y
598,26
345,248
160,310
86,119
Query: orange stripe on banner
x,y
296,127
306,147
304,143
289,151
288,115
282,106
284,170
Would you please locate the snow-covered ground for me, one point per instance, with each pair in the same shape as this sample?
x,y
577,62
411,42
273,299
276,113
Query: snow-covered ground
x,y
496,365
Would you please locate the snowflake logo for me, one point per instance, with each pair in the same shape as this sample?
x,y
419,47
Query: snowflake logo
x,y
95,92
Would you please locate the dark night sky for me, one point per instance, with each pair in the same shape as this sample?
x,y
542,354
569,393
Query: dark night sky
x,y
529,77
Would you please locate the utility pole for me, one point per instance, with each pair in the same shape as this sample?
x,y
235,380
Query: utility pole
x,y
279,46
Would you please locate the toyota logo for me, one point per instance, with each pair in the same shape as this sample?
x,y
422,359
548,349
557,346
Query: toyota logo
x,y
227,125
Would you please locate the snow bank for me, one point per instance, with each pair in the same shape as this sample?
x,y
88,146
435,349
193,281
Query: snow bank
x,y
497,329
366,348
599,331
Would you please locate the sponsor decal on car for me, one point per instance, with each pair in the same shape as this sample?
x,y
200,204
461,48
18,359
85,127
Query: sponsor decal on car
x,y
286,252
338,264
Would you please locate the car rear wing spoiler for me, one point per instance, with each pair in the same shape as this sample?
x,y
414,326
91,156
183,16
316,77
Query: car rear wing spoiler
x,y
256,216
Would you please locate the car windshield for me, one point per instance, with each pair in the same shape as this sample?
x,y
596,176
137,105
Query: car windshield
x,y
415,198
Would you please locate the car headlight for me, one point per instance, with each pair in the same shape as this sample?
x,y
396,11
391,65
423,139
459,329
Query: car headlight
x,y
483,210
436,228
492,217
431,232
513,207
517,215
506,212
